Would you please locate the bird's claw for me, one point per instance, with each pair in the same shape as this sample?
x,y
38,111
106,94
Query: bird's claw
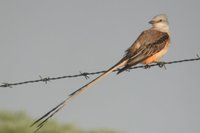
x,y
161,64
147,66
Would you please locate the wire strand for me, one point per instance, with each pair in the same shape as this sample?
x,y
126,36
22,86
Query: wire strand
x,y
87,74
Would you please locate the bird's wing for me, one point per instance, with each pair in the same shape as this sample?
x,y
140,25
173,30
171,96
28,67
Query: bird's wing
x,y
147,44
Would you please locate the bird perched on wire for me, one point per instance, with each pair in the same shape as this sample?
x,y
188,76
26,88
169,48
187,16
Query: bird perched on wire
x,y
148,48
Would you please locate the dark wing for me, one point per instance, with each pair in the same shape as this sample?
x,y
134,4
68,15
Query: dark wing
x,y
148,43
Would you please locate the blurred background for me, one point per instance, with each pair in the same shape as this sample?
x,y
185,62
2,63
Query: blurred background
x,y
51,38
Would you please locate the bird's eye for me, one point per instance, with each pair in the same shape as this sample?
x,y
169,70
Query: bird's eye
x,y
160,20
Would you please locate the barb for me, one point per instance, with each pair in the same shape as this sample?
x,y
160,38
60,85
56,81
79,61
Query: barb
x,y
44,79
6,85
86,74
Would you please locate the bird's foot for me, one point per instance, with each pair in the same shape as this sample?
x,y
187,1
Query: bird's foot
x,y
147,66
161,64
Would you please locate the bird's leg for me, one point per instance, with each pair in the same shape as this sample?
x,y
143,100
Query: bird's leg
x,y
147,66
161,64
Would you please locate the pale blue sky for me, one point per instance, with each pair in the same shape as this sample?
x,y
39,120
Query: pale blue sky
x,y
55,38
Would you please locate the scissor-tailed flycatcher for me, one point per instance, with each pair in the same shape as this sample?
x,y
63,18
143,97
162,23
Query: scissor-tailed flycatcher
x,y
149,47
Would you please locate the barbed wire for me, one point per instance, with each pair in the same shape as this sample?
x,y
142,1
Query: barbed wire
x,y
86,74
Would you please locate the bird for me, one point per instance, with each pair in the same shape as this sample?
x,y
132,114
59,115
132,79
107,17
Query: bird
x,y
149,47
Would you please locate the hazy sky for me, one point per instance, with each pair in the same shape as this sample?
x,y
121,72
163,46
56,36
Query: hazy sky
x,y
56,38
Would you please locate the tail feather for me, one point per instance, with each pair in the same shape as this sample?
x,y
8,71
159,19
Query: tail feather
x,y
42,120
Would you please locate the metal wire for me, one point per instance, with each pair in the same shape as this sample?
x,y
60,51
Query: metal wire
x,y
87,74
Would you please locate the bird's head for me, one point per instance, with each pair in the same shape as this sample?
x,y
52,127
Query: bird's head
x,y
160,22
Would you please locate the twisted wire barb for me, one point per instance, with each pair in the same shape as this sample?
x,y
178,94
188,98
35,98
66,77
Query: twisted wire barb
x,y
86,74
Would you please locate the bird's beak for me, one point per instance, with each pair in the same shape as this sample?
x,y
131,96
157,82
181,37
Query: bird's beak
x,y
151,22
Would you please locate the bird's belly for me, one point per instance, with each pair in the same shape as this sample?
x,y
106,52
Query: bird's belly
x,y
156,57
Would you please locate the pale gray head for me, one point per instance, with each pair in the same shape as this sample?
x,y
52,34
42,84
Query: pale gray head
x,y
160,22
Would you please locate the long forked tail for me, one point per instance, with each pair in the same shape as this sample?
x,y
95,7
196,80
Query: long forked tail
x,y
42,120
